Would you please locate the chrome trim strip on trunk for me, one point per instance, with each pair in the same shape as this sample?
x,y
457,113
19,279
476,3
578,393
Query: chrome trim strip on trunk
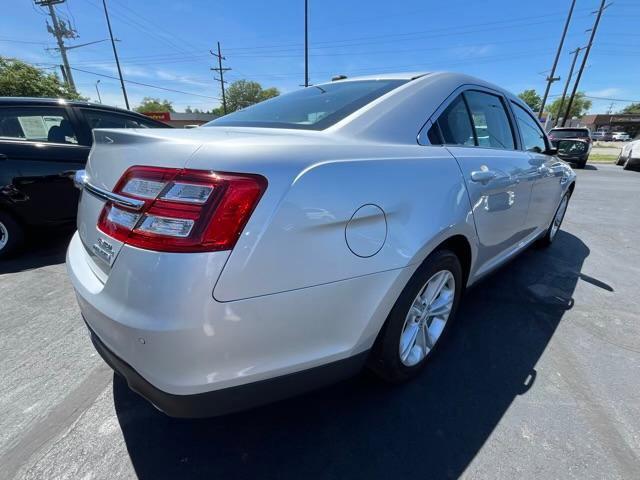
x,y
81,181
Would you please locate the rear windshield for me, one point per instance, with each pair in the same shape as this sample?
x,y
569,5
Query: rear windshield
x,y
313,108
570,133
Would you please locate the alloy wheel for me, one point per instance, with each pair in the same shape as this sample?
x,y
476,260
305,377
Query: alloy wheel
x,y
4,236
427,318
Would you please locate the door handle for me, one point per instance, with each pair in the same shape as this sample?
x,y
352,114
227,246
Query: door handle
x,y
483,175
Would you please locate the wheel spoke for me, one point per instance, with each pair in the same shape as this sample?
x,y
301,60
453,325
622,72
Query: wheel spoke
x,y
408,340
434,287
436,328
441,305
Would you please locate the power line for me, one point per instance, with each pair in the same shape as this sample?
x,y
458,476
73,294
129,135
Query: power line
x,y
145,84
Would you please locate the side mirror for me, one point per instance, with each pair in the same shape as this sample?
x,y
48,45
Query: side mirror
x,y
551,151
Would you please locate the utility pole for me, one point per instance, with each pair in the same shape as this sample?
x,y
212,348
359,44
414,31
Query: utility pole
x,y
575,54
306,43
221,71
551,78
60,31
115,54
584,59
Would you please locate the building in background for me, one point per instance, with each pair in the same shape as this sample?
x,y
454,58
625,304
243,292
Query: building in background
x,y
181,119
629,123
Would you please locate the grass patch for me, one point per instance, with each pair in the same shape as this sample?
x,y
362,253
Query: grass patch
x,y
600,158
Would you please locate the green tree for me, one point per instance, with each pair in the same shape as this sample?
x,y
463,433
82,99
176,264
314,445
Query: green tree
x,y
531,98
150,104
243,93
19,79
631,108
579,107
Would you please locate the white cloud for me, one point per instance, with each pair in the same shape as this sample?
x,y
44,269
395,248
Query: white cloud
x,y
605,92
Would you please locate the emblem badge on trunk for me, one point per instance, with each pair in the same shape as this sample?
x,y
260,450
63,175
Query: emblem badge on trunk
x,y
104,250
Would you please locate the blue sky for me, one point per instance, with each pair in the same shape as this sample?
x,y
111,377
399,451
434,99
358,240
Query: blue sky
x,y
166,43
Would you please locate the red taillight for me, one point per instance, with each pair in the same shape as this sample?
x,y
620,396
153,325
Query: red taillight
x,y
184,210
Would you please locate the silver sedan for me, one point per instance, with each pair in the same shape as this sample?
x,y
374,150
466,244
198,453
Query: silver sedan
x,y
293,242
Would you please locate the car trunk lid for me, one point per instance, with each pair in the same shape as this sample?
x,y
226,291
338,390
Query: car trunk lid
x,y
113,152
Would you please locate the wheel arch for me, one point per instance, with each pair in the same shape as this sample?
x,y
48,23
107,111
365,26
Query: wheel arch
x,y
461,247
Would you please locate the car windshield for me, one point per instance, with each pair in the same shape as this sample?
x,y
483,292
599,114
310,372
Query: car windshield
x,y
570,133
313,108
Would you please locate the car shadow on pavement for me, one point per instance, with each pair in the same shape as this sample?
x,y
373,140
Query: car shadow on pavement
x,y
431,427
41,249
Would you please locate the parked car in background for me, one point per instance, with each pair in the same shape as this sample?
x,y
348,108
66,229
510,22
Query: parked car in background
x,y
620,137
578,153
601,136
43,141
629,156
288,244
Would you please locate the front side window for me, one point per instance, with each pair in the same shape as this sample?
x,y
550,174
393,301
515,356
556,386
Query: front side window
x,y
37,124
99,119
490,120
533,138
313,108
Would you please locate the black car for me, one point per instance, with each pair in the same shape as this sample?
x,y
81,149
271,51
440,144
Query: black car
x,y
573,144
43,141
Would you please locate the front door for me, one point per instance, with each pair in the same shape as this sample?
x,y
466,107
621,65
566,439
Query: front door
x,y
545,196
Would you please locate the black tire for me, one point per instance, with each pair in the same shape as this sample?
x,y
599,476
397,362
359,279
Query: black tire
x,y
385,361
10,235
581,164
549,235
627,165
620,161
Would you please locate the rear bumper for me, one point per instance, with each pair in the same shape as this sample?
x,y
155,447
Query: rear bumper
x,y
228,400
156,315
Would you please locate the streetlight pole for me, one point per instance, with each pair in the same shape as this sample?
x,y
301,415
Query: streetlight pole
x,y
98,91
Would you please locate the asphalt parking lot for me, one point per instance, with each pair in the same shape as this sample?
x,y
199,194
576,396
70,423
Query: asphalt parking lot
x,y
540,379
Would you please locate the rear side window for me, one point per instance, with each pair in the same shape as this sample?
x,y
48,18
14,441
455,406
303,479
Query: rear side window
x,y
37,124
490,120
533,138
454,125
98,119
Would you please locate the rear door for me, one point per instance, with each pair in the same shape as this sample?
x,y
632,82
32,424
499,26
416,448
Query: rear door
x,y
41,143
477,128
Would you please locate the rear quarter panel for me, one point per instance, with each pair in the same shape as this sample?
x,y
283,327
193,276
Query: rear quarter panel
x,y
296,237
